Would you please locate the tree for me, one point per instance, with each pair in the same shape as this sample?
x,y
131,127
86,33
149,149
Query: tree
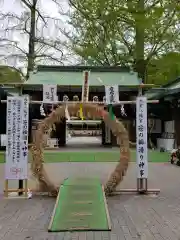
x,y
40,32
8,74
126,32
164,69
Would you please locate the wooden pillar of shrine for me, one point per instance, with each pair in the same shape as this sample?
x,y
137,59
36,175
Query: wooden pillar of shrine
x,y
60,132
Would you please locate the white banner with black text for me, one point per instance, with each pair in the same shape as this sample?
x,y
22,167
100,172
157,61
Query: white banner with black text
x,y
16,166
141,137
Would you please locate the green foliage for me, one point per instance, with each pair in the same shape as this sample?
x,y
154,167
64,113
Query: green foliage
x,y
164,69
9,75
114,32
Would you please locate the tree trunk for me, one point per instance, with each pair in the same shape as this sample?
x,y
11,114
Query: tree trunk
x,y
31,52
140,63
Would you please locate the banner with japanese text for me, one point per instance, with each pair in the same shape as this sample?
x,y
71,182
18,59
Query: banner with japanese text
x,y
85,87
17,122
112,94
50,93
141,137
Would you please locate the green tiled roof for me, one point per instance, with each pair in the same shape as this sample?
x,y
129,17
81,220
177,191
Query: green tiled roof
x,y
165,90
75,78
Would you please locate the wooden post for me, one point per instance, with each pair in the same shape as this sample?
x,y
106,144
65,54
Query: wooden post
x,y
6,188
22,190
26,188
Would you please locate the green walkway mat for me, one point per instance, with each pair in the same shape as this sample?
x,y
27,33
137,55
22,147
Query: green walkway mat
x,y
80,206
82,181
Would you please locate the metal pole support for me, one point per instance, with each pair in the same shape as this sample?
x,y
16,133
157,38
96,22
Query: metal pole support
x,y
142,185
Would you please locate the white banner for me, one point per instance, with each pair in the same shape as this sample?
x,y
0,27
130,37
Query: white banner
x,y
49,93
141,137
16,166
112,94
85,87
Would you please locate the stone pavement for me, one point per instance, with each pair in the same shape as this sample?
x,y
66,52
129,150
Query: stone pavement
x,y
132,217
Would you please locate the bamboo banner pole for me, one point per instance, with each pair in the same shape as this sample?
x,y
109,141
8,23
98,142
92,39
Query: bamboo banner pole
x,y
85,92
60,85
79,102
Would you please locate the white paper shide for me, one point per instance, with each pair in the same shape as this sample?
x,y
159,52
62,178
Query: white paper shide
x,y
112,94
141,137
17,138
49,93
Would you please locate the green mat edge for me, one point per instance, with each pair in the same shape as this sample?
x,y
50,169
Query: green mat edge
x,y
54,211
80,230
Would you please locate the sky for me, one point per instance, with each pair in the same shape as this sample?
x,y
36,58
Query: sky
x,y
48,8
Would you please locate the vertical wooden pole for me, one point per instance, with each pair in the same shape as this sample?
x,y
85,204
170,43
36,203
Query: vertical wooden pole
x,y
6,188
26,188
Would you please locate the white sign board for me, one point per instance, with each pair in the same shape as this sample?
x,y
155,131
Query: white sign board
x,y
16,166
49,93
112,94
141,137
